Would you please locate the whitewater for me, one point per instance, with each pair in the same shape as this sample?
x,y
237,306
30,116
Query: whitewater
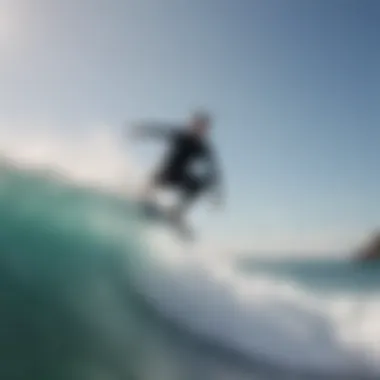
x,y
91,290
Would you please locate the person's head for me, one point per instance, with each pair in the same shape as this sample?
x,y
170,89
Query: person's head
x,y
200,123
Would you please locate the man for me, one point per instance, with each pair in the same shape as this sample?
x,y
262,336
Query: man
x,y
188,146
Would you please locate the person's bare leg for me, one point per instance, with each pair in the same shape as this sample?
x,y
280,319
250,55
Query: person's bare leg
x,y
178,211
148,192
190,192
177,216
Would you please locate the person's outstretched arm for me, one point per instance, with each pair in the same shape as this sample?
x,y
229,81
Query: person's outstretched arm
x,y
154,130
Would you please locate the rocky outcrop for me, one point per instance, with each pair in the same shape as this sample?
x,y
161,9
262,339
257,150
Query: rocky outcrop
x,y
371,251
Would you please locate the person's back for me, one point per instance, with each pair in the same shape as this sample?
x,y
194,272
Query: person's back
x,y
186,148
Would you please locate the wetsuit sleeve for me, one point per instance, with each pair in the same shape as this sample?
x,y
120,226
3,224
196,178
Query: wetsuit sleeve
x,y
155,130
214,176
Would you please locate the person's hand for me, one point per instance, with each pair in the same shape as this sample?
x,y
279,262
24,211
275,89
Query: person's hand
x,y
216,201
133,131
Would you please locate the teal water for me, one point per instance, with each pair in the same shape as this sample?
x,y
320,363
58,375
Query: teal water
x,y
320,275
72,264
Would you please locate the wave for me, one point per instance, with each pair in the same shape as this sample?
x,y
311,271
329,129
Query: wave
x,y
319,275
52,221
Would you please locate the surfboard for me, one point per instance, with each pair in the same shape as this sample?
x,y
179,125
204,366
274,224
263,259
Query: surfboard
x,y
158,214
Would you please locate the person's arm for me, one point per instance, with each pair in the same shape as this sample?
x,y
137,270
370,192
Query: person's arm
x,y
215,176
154,130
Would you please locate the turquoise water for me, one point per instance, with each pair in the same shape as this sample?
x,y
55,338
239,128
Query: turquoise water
x,y
82,299
320,275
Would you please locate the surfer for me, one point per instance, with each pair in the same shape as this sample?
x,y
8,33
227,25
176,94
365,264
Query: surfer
x,y
188,145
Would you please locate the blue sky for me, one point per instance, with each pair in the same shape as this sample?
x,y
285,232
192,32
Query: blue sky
x,y
293,85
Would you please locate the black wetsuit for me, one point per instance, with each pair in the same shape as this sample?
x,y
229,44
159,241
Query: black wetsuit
x,y
185,149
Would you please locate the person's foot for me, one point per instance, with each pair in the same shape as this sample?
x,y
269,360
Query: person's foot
x,y
175,215
187,233
176,218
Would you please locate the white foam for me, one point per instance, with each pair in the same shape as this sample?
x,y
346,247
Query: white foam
x,y
259,316
263,317
99,158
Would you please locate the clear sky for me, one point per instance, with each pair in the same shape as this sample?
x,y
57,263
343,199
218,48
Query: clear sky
x,y
294,86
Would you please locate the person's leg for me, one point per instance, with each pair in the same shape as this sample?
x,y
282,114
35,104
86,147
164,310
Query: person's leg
x,y
157,180
190,189
149,189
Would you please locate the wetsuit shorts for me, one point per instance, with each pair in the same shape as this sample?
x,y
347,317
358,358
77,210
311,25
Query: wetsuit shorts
x,y
189,184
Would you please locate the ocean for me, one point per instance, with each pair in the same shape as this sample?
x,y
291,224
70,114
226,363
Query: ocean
x,y
91,290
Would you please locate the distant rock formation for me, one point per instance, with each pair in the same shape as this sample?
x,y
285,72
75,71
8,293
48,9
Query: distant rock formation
x,y
371,251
